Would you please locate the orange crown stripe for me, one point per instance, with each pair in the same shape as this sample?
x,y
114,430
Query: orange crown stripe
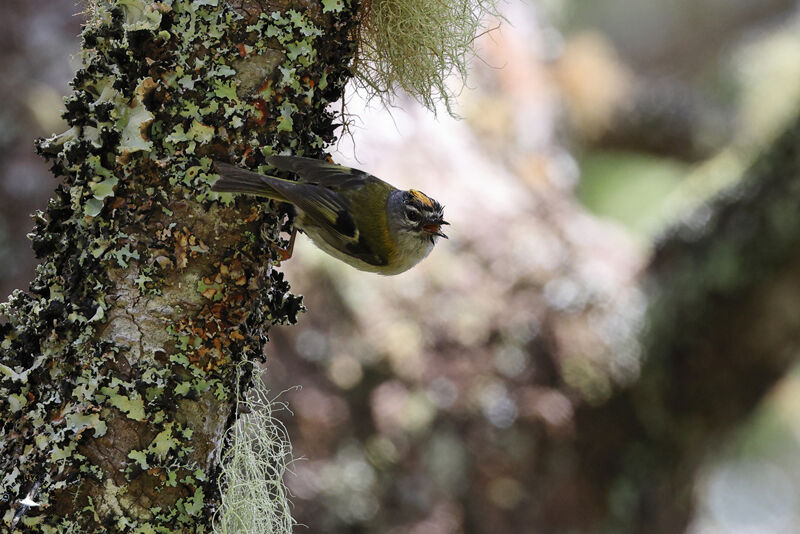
x,y
422,197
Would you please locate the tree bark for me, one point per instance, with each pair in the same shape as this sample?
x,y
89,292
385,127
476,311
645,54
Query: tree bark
x,y
120,368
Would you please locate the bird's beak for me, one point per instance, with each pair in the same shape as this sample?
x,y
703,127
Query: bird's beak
x,y
435,228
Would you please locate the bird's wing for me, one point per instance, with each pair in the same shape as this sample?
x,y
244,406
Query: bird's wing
x,y
233,179
356,248
318,171
324,206
333,220
315,194
362,251
327,208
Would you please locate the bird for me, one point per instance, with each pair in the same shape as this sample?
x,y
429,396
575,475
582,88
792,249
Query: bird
x,y
348,213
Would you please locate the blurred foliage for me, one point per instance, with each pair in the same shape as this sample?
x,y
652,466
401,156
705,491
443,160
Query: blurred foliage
x,y
630,188
750,67
37,44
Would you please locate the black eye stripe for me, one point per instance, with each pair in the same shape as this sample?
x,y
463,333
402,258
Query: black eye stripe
x,y
413,214
415,211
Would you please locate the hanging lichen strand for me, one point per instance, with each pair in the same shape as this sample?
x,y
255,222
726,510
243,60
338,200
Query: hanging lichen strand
x,y
118,370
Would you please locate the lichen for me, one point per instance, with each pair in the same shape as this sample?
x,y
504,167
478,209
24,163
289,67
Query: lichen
x,y
416,46
120,367
256,455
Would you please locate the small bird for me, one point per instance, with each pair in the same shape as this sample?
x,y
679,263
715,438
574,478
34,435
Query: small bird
x,y
350,214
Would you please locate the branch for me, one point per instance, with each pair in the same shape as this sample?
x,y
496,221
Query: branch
x,y
723,328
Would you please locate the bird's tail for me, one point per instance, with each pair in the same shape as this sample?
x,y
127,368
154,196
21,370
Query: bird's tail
x,y
233,179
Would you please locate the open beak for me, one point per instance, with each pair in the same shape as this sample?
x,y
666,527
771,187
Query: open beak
x,y
435,228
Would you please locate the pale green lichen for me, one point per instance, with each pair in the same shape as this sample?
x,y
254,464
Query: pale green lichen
x,y
416,46
255,456
133,122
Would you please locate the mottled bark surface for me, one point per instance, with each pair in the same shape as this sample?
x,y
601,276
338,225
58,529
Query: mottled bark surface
x,y
120,367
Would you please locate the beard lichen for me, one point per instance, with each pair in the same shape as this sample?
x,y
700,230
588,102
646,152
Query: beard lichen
x,y
120,367
254,458
415,46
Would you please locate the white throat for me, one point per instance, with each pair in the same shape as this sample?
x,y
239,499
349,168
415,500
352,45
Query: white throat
x,y
415,249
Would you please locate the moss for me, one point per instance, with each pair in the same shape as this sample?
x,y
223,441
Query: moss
x,y
119,369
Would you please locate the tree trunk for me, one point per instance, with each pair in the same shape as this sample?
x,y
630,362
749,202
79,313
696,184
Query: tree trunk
x,y
120,368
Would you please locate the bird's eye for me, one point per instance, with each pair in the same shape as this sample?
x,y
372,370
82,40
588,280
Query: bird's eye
x,y
412,215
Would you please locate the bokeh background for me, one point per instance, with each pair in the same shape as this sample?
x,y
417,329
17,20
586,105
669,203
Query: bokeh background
x,y
586,128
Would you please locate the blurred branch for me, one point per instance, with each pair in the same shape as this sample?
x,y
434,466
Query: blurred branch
x,y
708,32
724,326
679,38
611,106
666,119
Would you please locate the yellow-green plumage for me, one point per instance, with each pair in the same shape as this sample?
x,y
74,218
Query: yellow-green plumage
x,y
346,212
